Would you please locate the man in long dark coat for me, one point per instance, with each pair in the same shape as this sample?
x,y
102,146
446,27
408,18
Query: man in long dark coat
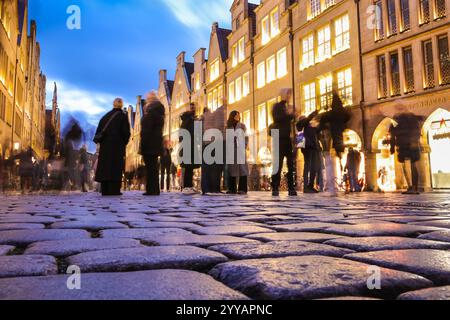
x,y
152,147
111,161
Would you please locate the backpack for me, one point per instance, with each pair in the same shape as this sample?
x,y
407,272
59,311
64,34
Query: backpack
x,y
300,140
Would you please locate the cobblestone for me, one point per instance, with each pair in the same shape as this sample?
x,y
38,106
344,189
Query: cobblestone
x,y
255,246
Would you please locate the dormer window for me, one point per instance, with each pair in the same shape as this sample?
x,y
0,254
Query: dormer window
x,y
238,52
214,70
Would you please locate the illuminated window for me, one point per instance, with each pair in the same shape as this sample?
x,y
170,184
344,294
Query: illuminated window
x,y
238,89
344,82
382,77
424,11
219,96
308,51
271,69
215,104
4,63
309,98
408,68
323,43
342,33
246,120
262,117
326,91
428,64
329,3
265,28
261,81
241,47
439,9
281,63
197,81
231,93
246,84
274,23
214,70
404,7
270,105
395,73
379,28
238,52
392,19
444,60
315,8
270,26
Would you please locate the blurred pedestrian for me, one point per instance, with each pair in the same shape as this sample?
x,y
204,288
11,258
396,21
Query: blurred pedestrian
x,y
165,165
26,170
113,135
71,139
283,122
333,124
311,151
405,139
238,170
152,148
212,172
83,168
188,123
352,168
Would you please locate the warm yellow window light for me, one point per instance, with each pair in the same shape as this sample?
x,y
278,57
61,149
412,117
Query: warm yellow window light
x,y
262,117
344,81
342,33
246,119
246,84
265,30
308,51
271,69
282,63
309,98
241,50
261,69
231,95
274,23
326,88
323,43
214,70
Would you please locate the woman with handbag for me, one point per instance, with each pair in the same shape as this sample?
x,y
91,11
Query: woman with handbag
x,y
113,135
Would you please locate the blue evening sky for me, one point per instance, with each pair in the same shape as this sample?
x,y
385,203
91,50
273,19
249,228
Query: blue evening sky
x,y
120,48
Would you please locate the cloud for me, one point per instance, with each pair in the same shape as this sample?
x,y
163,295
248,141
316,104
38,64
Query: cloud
x,y
73,99
200,14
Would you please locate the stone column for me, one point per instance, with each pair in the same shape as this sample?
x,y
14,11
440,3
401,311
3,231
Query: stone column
x,y
425,179
371,171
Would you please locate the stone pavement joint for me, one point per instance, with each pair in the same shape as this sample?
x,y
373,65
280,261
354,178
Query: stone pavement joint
x,y
225,247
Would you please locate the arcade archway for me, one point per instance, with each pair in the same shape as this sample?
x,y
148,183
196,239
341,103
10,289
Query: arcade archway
x,y
436,135
385,162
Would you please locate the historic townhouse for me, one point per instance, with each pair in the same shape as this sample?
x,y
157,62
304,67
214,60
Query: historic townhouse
x,y
272,58
378,54
198,81
216,69
133,158
405,53
181,95
22,115
326,56
241,71
165,90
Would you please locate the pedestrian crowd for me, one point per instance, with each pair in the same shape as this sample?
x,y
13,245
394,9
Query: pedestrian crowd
x,y
319,137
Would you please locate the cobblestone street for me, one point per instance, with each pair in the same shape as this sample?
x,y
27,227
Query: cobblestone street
x,y
225,247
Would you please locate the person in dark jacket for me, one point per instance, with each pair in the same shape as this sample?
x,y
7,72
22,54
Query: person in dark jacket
x,y
83,167
405,137
283,121
352,167
166,164
333,123
311,152
111,160
152,126
238,170
26,170
188,123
